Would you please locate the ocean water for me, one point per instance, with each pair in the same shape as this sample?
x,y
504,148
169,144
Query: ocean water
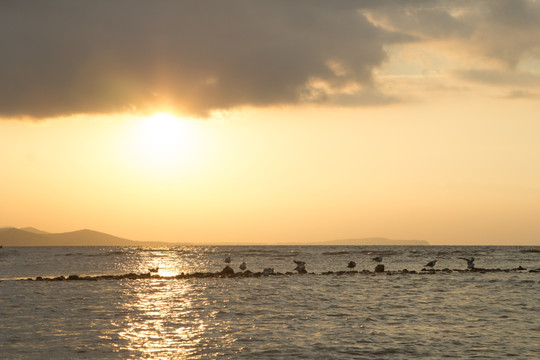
x,y
359,315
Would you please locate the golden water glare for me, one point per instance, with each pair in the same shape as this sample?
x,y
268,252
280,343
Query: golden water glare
x,y
153,327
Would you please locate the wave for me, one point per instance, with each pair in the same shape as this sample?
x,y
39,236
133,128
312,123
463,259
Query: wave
x,y
342,252
534,251
111,253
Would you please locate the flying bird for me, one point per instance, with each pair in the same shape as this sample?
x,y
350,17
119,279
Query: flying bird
x,y
470,262
351,265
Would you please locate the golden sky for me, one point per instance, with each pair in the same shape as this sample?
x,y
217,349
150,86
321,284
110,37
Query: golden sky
x,y
273,122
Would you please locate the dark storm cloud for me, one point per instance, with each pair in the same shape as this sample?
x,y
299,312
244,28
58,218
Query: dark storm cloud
x,y
66,57
62,57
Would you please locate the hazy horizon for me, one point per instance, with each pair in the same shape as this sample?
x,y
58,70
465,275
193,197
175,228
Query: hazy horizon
x,y
273,122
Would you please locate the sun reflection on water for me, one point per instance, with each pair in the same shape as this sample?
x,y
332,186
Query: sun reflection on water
x,y
175,318
168,262
160,323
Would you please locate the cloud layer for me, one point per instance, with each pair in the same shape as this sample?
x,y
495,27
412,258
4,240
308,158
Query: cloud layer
x,y
64,57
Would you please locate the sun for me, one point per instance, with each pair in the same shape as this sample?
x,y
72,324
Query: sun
x,y
163,142
160,135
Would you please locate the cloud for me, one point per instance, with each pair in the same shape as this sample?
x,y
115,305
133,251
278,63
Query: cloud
x,y
515,84
63,57
424,19
500,77
521,94
502,30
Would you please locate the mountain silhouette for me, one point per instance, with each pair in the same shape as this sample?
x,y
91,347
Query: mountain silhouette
x,y
30,236
33,237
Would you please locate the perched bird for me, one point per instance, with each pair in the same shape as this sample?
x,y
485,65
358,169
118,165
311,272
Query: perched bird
x,y
351,265
228,259
377,259
243,266
470,262
300,266
431,264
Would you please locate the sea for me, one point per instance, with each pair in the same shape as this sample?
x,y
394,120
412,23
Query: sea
x,y
188,310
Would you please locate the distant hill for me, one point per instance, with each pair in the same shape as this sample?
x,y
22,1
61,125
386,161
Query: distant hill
x,y
33,230
34,237
30,236
17,237
374,241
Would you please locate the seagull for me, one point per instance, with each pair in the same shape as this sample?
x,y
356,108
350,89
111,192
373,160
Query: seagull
x,y
470,262
300,266
351,265
243,266
377,259
431,264
228,259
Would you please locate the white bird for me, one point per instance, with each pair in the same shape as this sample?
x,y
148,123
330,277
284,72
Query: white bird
x,y
470,262
431,264
243,266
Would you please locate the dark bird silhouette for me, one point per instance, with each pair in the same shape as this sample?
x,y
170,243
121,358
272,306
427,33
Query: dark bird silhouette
x,y
300,266
228,259
243,266
431,264
470,262
377,259
351,265
154,270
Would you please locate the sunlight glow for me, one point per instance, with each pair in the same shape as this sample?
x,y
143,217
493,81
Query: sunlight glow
x,y
163,143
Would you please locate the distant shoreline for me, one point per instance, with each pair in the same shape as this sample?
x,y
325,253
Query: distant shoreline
x,y
23,237
30,236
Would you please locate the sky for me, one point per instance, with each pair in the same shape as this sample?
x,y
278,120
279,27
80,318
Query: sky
x,y
272,122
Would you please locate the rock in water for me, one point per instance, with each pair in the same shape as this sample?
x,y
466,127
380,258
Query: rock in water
x,y
300,266
379,268
227,270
